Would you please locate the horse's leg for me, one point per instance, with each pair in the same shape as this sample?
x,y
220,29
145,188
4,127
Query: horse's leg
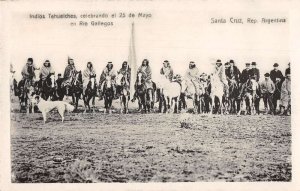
x,y
121,104
212,104
110,104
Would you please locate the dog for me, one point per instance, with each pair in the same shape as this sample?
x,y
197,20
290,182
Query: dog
x,y
46,106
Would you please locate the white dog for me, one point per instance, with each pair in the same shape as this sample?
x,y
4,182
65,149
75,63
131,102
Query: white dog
x,y
47,106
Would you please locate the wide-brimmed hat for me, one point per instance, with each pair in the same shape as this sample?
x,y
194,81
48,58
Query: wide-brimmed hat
x,y
275,65
267,75
253,63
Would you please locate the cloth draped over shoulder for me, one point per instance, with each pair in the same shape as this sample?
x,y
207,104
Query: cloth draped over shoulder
x,y
147,75
126,72
28,71
106,73
86,77
45,71
167,72
192,80
286,93
69,70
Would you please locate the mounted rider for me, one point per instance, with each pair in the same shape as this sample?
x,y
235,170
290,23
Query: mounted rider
x,y
147,76
88,73
108,71
69,73
220,73
126,72
192,77
232,73
46,70
167,70
28,74
245,74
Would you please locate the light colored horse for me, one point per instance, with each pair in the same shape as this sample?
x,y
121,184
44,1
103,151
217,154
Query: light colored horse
x,y
171,91
188,88
217,91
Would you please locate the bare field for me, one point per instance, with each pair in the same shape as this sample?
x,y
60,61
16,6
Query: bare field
x,y
150,148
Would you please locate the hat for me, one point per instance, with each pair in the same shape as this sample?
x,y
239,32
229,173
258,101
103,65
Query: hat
x,y
247,64
109,62
275,65
267,75
253,63
166,61
29,60
227,63
218,61
231,61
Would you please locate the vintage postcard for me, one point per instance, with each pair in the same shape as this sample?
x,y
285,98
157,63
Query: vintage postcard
x,y
149,95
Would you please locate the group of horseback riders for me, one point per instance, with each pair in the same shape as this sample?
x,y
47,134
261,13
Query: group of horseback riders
x,y
274,87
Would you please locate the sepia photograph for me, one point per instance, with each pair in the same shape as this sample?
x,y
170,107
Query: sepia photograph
x,y
184,92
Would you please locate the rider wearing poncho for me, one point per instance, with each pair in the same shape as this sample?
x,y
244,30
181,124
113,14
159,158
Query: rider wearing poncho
x,y
108,71
126,72
46,70
146,75
192,77
69,73
87,74
167,70
28,72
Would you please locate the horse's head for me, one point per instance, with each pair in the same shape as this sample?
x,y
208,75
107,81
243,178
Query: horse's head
x,y
108,82
50,80
93,80
139,79
120,79
77,78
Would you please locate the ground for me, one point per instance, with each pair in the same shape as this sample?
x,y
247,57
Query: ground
x,y
149,147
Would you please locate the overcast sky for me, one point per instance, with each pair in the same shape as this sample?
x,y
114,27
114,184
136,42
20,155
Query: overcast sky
x,y
178,33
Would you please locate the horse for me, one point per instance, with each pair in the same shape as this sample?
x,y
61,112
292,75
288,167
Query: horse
x,y
48,87
76,89
188,88
123,88
217,93
25,92
145,96
108,93
60,90
233,95
90,93
248,96
169,95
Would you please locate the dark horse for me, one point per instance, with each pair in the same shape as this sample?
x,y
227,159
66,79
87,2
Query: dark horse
x,y
234,100
145,96
76,89
48,87
73,89
90,93
108,94
24,90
